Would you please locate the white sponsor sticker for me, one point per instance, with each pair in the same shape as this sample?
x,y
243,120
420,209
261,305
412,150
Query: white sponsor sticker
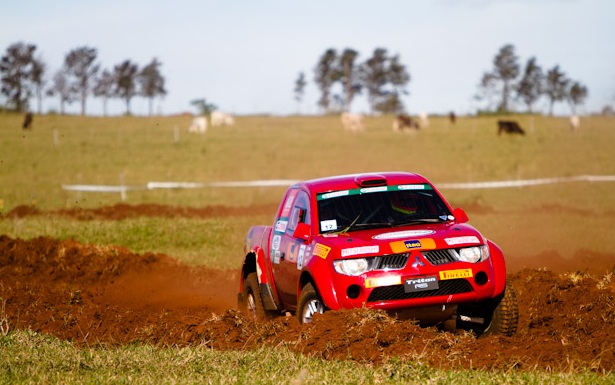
x,y
403,234
335,194
460,240
275,245
373,189
411,187
280,226
360,250
327,225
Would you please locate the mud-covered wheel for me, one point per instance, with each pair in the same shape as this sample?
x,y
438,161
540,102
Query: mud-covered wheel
x,y
309,304
252,302
499,317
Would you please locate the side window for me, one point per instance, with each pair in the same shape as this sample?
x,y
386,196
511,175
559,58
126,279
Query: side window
x,y
300,211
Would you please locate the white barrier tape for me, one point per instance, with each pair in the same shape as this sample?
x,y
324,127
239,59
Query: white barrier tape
x,y
528,182
288,182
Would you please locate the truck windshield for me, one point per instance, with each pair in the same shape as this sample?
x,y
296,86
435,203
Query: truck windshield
x,y
383,206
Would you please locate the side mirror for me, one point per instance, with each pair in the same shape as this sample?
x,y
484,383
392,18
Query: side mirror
x,y
460,215
303,231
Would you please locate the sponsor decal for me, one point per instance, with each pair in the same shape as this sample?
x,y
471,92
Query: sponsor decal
x,y
382,281
321,250
327,225
411,187
360,250
280,226
454,274
460,240
335,194
421,243
300,257
403,234
289,203
275,244
373,189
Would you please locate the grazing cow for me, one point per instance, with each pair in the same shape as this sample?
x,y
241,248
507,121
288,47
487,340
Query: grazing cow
x,y
403,121
575,122
219,118
509,127
199,125
424,119
352,122
452,117
27,121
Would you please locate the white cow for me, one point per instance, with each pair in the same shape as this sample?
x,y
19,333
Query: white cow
x,y
424,120
352,122
199,125
575,122
219,118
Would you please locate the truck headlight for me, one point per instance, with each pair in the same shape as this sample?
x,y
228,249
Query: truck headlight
x,y
474,254
354,267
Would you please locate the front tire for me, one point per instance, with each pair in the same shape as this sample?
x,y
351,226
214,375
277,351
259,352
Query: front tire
x,y
252,303
309,304
499,317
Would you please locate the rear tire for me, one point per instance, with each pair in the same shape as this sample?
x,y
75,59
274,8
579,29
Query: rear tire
x,y
309,304
500,317
252,302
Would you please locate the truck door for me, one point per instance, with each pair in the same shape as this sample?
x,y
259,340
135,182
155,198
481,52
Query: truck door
x,y
290,249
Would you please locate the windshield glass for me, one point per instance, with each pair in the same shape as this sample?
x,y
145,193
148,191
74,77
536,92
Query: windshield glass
x,y
383,206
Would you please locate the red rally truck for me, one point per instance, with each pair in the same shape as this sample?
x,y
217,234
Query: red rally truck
x,y
378,240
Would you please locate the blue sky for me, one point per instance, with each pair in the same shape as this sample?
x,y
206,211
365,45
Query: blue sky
x,y
244,56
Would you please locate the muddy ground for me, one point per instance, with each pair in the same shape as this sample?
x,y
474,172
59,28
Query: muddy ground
x,y
107,295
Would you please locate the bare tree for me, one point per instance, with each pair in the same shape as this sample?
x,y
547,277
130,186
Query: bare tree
x,y
81,70
325,77
38,80
63,89
299,89
577,94
152,82
104,88
530,87
348,76
125,75
16,67
556,86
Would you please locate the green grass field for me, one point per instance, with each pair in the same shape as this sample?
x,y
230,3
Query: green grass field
x,y
63,150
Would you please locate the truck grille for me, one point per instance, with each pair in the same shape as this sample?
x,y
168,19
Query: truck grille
x,y
440,257
388,293
391,262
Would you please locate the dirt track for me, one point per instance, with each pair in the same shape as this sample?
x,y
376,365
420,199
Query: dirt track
x,y
108,295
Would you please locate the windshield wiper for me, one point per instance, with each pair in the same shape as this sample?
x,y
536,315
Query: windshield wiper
x,y
417,221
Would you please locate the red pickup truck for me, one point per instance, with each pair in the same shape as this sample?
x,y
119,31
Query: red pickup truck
x,y
378,240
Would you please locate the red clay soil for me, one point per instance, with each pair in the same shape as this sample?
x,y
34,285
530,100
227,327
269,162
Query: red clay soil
x,y
108,296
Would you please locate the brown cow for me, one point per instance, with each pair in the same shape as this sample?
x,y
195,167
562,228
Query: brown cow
x,y
403,121
509,127
27,121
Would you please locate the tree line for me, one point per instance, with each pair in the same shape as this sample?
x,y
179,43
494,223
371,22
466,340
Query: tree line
x,y
508,82
24,75
339,76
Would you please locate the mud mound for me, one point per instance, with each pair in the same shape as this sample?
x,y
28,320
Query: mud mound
x,y
108,295
123,211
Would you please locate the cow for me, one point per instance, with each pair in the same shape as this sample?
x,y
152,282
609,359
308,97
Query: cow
x,y
509,127
219,118
27,121
575,122
403,121
352,122
199,125
424,119
452,117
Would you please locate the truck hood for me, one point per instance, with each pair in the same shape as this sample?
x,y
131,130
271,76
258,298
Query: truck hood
x,y
402,239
